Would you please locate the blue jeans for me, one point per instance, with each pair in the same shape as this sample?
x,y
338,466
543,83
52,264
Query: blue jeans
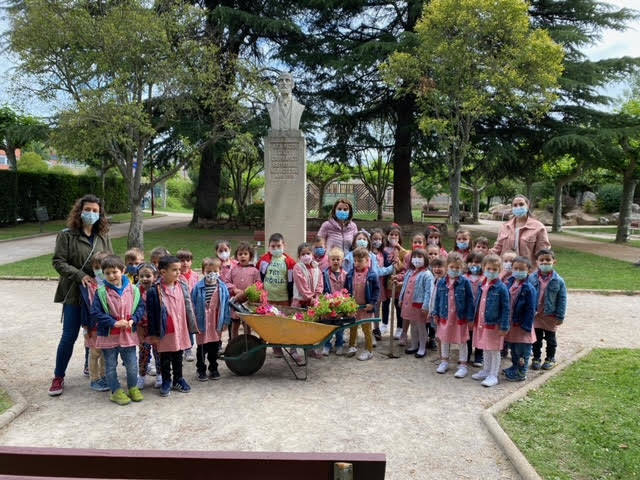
x,y
128,355
70,330
339,339
520,355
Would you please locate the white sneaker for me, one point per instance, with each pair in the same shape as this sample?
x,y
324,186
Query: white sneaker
x,y
188,355
340,351
490,381
481,375
384,329
365,355
461,372
152,370
352,351
443,367
158,383
140,382
325,351
397,334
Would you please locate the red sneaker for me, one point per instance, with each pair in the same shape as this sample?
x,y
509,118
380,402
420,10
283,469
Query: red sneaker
x,y
57,386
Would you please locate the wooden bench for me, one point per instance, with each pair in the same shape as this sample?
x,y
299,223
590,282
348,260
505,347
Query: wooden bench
x,y
635,225
49,463
434,214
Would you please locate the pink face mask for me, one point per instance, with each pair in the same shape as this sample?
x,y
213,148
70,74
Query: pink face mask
x,y
306,258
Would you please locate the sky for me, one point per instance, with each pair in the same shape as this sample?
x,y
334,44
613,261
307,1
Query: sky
x,y
612,44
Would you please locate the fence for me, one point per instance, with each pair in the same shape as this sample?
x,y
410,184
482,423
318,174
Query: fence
x,y
364,205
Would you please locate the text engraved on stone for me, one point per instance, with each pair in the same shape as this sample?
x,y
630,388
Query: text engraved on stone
x,y
284,161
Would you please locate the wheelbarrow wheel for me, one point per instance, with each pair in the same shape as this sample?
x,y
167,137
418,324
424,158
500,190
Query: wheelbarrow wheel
x,y
243,355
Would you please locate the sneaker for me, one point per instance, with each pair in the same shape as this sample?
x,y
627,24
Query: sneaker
x,y
365,355
315,354
481,375
536,364
325,351
509,372
548,364
57,387
182,386
477,363
85,371
340,351
490,381
515,377
188,356
202,377
299,359
377,334
135,394
397,334
120,397
152,370
214,375
352,351
432,344
99,385
443,367
384,329
461,372
158,383
140,383
402,342
165,388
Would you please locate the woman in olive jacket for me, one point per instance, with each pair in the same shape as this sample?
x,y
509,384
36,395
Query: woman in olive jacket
x,y
86,234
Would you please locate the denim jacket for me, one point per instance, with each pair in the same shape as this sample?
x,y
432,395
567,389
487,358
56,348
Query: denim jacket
x,y
524,310
198,297
463,297
498,306
386,269
555,301
157,312
422,291
372,288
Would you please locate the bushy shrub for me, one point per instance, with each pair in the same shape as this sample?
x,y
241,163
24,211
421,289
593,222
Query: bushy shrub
x,y
225,210
609,197
546,204
254,214
181,189
590,207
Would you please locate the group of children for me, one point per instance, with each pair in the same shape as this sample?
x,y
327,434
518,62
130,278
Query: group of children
x,y
469,298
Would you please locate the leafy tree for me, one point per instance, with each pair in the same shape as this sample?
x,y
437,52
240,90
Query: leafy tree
x,y
374,169
32,162
17,131
322,174
498,61
561,172
428,188
243,163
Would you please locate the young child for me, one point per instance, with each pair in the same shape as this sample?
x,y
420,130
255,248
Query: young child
x,y
507,265
491,320
96,366
147,277
171,321
452,312
463,244
360,240
396,255
211,304
243,275
223,252
117,309
415,298
320,254
438,267
434,238
475,277
385,268
335,279
189,277
523,311
156,254
433,252
481,245
363,285
418,242
307,278
133,258
551,308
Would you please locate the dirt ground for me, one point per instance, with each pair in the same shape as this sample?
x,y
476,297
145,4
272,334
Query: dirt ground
x,y
428,425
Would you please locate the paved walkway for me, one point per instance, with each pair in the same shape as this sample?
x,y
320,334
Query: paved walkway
x,y
16,250
428,425
582,244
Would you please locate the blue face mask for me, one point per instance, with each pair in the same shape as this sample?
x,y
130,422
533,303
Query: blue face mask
x,y
320,251
475,269
520,211
454,273
491,275
133,269
362,243
462,245
89,218
520,274
342,215
277,252
546,268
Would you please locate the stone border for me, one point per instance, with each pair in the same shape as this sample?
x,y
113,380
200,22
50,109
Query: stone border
x,y
515,456
19,406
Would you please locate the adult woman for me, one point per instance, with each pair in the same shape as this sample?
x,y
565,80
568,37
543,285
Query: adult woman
x,y
86,235
523,233
339,230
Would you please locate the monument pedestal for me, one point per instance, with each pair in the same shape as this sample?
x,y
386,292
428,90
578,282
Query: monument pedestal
x,y
285,196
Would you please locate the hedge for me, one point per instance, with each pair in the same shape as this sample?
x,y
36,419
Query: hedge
x,y
57,192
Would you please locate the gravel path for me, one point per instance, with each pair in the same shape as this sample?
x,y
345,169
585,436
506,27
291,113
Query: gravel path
x,y
427,424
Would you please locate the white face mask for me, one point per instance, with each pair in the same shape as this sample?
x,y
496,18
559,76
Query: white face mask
x,y
417,262
99,276
393,242
224,256
306,259
506,266
211,277
276,252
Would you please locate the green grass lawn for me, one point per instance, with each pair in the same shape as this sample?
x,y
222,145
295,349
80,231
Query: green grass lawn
x,y
631,243
583,424
5,402
592,230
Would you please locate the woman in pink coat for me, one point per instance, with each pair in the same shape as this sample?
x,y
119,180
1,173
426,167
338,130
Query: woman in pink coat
x,y
340,229
523,234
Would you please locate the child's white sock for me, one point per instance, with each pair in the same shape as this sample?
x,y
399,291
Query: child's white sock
x,y
422,335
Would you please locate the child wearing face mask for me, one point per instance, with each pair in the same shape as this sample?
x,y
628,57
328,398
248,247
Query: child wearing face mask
x,y
396,254
133,258
463,244
385,268
434,238
476,278
307,278
223,252
362,239
243,275
452,312
507,265
438,267
320,254
189,277
415,298
492,320
147,275
418,242
210,299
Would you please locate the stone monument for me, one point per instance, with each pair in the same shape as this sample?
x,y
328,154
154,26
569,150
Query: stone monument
x,y
285,198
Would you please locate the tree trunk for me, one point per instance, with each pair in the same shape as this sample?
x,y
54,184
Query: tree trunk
x,y
454,185
528,187
379,204
476,205
557,207
136,232
629,184
321,190
208,191
402,161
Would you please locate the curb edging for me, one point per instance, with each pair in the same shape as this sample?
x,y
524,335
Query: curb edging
x,y
513,453
19,406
